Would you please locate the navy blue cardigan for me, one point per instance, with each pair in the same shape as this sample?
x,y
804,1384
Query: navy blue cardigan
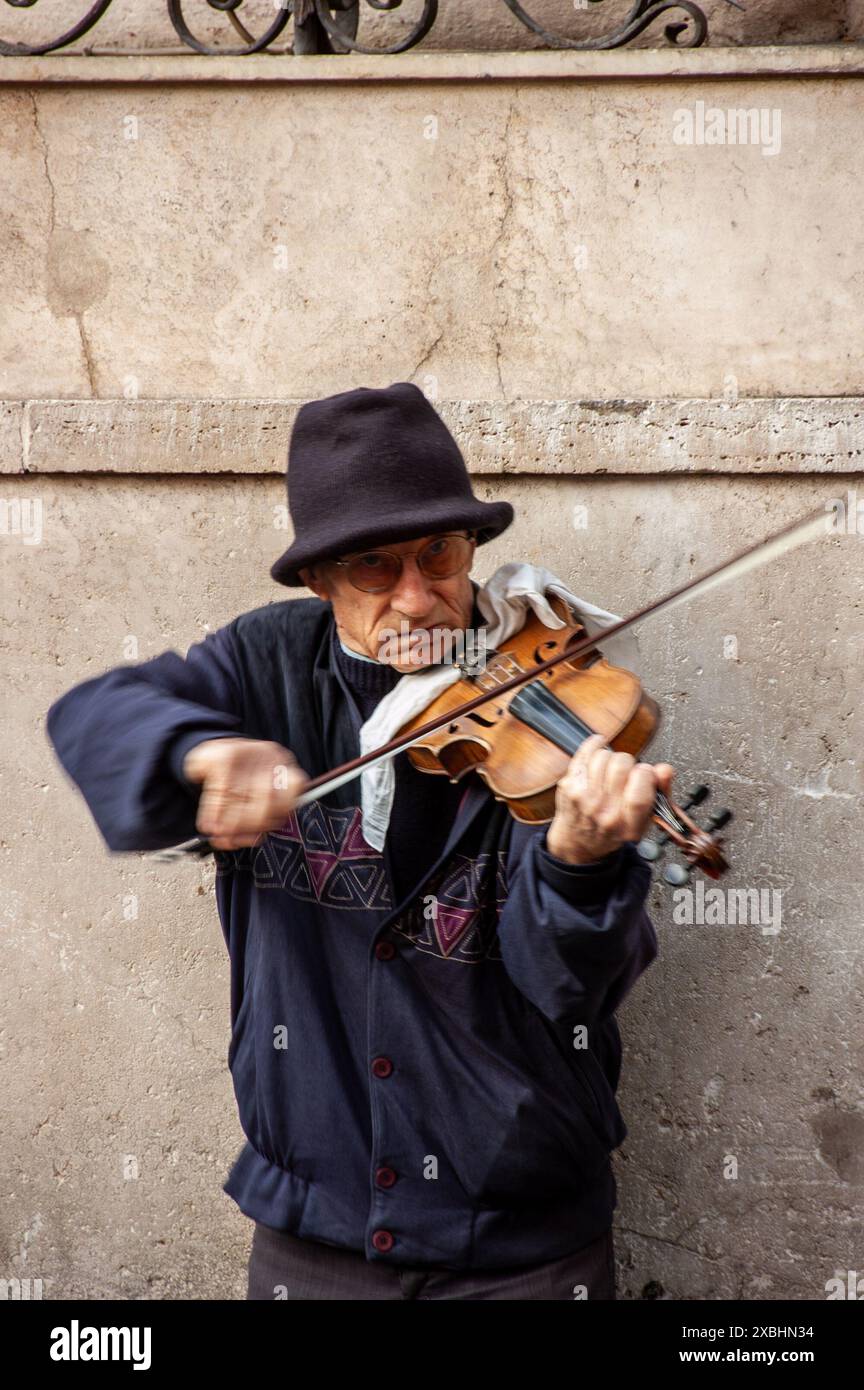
x,y
408,1071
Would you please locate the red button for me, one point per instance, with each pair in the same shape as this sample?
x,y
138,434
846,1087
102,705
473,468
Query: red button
x,y
383,1241
385,1177
385,950
382,1066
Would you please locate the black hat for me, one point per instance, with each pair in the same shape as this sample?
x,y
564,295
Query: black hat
x,y
371,466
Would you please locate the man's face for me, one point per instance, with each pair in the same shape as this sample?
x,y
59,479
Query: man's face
x,y
365,621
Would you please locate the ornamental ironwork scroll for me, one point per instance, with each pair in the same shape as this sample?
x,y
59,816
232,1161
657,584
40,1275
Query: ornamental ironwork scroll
x,y
331,26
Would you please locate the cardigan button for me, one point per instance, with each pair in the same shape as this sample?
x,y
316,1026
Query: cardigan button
x,y
383,1241
385,950
382,1066
385,1177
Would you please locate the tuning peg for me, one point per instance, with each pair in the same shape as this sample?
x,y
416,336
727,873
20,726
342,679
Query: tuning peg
x,y
697,796
676,874
651,849
719,819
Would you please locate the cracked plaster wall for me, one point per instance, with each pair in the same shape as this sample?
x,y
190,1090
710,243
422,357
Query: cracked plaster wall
x,y
150,269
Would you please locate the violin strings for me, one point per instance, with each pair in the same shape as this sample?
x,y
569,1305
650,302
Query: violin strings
x,y
667,815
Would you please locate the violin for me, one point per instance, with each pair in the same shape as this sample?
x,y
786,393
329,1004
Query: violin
x,y
521,740
519,718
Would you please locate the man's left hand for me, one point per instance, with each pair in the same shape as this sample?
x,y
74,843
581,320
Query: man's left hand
x,y
603,800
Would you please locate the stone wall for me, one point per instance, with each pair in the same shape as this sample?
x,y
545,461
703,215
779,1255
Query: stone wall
x,y
652,349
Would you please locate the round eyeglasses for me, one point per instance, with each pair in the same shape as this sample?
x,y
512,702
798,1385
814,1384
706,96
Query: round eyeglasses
x,y
441,558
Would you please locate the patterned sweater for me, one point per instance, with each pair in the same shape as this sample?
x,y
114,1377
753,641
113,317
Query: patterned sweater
x,y
423,1047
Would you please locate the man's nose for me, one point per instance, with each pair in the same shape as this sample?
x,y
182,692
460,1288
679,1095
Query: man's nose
x,y
412,594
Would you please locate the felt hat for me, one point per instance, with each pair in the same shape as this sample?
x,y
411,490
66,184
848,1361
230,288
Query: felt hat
x,y
369,467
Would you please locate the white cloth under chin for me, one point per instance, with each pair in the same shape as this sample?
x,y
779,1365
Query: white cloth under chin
x,y
504,602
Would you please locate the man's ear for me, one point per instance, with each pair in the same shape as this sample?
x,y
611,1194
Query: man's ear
x,y
313,580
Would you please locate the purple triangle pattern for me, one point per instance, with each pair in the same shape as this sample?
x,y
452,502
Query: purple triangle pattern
x,y
320,855
456,917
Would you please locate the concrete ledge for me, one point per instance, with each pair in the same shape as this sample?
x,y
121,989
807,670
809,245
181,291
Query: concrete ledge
x,y
790,61
786,435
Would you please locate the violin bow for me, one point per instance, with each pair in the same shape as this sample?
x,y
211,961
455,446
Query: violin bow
x,y
778,543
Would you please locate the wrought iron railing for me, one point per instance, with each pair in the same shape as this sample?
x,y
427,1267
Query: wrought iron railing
x,y
331,26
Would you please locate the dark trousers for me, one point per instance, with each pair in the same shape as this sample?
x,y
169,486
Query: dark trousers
x,y
283,1267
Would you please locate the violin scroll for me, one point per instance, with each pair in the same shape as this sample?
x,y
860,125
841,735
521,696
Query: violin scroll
x,y
701,848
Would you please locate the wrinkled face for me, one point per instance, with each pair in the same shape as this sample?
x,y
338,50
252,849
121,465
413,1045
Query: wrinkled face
x,y
392,625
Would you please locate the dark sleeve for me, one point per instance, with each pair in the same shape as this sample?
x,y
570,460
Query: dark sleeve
x,y
575,938
122,738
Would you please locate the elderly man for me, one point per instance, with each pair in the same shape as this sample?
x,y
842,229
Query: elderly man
x,y
424,1048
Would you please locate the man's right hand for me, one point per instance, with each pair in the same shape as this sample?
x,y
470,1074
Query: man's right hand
x,y
250,787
